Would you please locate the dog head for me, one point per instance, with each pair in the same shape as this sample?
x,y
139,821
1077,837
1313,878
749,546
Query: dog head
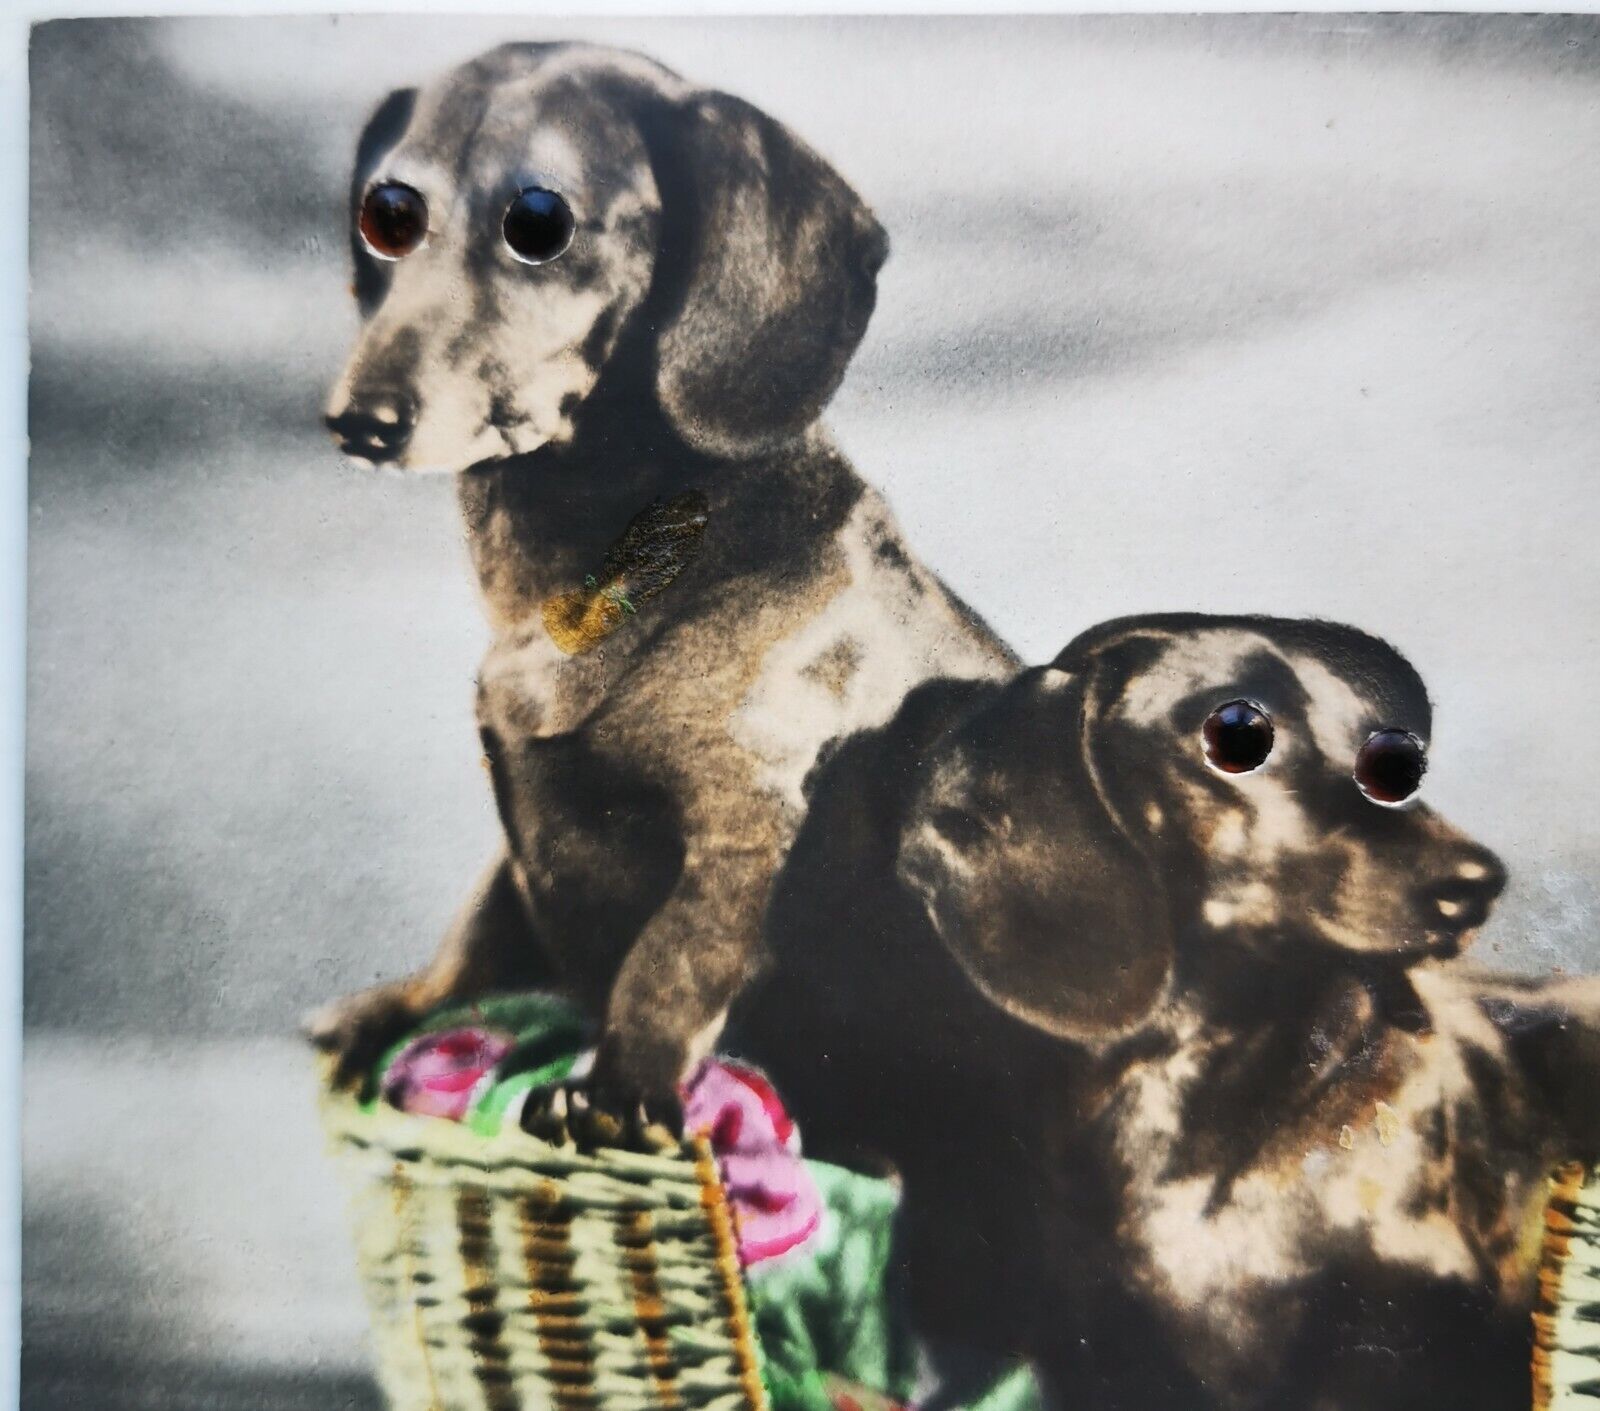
x,y
1188,781
517,223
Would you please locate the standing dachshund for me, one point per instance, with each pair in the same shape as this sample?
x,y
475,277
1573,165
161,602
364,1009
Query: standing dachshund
x,y
1202,1109
616,304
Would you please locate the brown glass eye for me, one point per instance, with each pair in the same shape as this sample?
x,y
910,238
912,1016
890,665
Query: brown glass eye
x,y
394,219
1238,737
1390,766
538,225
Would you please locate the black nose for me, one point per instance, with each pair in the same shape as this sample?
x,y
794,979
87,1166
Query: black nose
x,y
376,428
1460,899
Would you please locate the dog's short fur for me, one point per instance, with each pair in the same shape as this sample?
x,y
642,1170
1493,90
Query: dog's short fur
x,y
677,355
1197,1105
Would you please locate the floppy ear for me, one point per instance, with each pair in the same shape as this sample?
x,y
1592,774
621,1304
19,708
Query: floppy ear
x,y
1028,875
780,260
384,129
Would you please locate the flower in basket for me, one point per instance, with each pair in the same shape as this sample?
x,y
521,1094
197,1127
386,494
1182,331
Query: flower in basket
x,y
439,1074
775,1201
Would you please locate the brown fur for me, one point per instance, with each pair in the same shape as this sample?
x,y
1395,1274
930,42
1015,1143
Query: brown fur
x,y
1194,1101
648,759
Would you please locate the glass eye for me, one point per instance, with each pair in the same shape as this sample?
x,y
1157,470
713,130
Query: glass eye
x,y
1390,766
538,226
394,219
1238,737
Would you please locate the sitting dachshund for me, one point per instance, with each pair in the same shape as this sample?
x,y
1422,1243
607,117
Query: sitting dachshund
x,y
615,304
1194,1101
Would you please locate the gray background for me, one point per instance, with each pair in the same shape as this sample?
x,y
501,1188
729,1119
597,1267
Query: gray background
x,y
1295,315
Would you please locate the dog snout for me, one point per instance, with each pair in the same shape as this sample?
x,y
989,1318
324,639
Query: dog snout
x,y
1460,897
375,428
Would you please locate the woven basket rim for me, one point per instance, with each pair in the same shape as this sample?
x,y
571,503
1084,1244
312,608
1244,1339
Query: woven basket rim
x,y
677,1194
386,1131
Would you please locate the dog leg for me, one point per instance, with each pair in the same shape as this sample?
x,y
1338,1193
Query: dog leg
x,y
668,1006
489,947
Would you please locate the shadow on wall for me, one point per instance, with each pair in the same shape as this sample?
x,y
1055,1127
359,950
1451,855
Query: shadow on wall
x,y
73,1382
93,1335
75,1379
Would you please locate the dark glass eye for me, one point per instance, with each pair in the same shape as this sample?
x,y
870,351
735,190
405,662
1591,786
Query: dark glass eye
x,y
1238,737
1390,766
394,219
538,225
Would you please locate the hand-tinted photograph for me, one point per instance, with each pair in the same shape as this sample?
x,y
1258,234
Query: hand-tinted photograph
x,y
881,714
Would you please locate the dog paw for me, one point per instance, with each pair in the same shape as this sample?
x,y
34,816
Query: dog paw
x,y
356,1030
580,1114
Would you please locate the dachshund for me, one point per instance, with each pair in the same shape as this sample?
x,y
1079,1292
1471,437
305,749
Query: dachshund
x,y
1195,1099
614,304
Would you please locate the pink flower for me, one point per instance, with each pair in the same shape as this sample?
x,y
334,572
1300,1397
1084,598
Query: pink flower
x,y
438,1075
775,1202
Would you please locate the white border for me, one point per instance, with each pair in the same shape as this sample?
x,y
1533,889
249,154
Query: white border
x,y
13,673
14,27
56,9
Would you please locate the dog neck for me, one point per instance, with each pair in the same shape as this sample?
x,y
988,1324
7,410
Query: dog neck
x,y
1292,982
538,524
1271,1036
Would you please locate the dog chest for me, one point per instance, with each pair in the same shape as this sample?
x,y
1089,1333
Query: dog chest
x,y
1373,1178
528,687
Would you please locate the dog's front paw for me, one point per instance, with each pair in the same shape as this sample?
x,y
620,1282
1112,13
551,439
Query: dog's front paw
x,y
591,1116
356,1030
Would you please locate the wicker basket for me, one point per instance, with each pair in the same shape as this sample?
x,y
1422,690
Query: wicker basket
x,y
1566,1327
506,1274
